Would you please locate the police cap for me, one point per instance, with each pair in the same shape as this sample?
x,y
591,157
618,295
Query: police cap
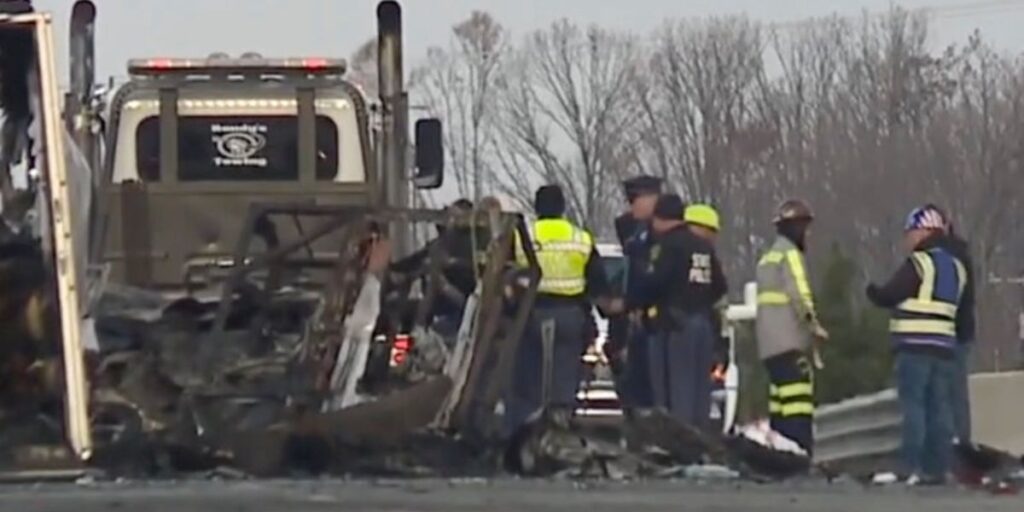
x,y
641,185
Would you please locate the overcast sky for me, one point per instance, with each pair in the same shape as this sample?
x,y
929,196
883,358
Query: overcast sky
x,y
145,28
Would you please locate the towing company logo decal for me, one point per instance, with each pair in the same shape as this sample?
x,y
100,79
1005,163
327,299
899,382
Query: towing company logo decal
x,y
238,145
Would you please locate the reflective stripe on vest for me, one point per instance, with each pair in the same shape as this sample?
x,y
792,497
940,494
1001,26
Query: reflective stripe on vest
x,y
562,254
931,315
796,268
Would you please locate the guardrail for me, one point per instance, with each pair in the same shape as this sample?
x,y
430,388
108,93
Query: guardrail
x,y
865,431
856,431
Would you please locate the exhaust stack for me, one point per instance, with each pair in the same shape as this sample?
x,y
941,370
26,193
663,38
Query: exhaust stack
x,y
394,106
78,115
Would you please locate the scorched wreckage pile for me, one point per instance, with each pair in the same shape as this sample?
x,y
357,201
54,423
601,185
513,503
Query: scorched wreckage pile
x,y
312,340
275,324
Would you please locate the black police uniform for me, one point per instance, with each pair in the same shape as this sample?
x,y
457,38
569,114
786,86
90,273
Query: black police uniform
x,y
683,283
633,383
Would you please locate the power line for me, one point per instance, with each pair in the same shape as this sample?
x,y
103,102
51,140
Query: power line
x,y
945,11
979,12
969,6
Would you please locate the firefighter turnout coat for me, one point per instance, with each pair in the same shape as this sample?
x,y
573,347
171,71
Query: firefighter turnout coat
x,y
785,305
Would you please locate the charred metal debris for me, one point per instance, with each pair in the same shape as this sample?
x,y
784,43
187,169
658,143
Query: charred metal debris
x,y
307,362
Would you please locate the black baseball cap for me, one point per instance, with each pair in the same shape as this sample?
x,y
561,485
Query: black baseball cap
x,y
669,206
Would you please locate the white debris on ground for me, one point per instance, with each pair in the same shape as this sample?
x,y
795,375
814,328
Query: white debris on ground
x,y
761,433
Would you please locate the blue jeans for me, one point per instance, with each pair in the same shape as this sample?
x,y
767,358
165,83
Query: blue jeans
x,y
961,398
924,383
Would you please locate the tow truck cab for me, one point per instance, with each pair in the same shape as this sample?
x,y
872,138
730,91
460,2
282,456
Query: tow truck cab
x,y
186,146
192,143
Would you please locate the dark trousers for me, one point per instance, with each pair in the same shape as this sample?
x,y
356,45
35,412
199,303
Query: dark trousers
x,y
526,393
960,394
633,382
924,382
791,397
680,369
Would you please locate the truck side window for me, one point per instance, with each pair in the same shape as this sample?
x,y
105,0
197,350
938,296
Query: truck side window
x,y
327,161
147,149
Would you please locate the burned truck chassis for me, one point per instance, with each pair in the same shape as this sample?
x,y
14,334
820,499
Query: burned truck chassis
x,y
222,384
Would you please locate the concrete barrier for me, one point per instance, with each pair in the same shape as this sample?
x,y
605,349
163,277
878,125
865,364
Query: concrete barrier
x,y
997,410
865,430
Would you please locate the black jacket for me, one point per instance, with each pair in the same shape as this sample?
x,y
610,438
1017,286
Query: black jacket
x,y
635,239
903,285
684,274
965,315
456,253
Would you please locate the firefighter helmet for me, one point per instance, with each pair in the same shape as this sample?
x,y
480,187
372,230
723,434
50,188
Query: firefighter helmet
x,y
793,209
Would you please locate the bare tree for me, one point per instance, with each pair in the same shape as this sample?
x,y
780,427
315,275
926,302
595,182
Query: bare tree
x,y
568,113
857,116
700,127
457,84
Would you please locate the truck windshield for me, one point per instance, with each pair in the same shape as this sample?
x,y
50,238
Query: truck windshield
x,y
237,148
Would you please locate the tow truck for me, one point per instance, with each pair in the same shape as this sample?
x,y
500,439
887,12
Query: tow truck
x,y
168,184
186,145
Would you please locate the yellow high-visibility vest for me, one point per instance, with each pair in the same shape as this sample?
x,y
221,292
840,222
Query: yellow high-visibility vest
x,y
932,312
563,251
794,262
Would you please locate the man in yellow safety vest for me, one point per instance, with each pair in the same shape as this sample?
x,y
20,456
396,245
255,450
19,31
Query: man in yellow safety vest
x,y
549,364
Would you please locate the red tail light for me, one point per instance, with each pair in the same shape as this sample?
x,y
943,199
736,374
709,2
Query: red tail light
x,y
314,63
160,63
400,349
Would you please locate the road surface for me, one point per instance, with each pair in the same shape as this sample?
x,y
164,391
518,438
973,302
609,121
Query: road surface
x,y
481,495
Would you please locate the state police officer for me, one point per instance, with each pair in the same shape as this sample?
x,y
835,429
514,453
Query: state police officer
x,y
683,282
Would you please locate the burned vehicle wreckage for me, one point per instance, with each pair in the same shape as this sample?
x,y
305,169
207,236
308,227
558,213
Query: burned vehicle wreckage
x,y
273,374
280,375
308,347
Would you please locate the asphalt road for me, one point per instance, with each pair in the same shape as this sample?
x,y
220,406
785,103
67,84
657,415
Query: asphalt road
x,y
480,495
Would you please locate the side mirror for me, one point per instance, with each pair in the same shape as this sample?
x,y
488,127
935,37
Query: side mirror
x,y
429,154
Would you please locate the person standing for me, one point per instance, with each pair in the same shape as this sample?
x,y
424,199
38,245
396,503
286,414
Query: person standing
x,y
965,332
683,283
548,366
787,325
703,221
626,348
925,295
